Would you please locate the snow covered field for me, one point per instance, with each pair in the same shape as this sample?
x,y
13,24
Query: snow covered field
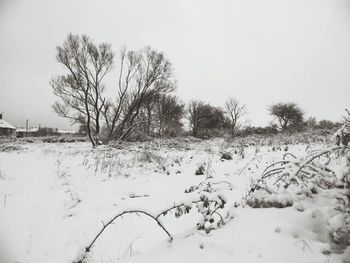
x,y
55,198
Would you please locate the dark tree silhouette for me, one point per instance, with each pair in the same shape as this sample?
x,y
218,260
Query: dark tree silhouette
x,y
162,114
327,124
288,115
235,111
196,115
204,117
169,112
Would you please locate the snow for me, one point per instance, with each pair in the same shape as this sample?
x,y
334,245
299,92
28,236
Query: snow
x,y
55,197
30,129
4,124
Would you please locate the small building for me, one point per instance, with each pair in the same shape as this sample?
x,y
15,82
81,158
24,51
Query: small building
x,y
6,129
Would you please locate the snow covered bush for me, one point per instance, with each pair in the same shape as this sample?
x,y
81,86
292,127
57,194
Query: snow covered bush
x,y
205,168
338,220
209,209
346,258
299,176
342,136
240,151
264,200
10,145
323,172
305,176
340,229
226,156
200,170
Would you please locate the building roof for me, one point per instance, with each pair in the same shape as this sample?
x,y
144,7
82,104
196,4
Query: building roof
x,y
4,124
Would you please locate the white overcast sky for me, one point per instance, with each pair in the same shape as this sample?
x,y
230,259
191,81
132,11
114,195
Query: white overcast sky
x,y
260,51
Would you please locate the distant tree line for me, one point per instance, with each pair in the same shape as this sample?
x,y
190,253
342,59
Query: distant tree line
x,y
144,103
45,132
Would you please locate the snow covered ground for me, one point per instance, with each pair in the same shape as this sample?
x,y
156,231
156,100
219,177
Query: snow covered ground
x,y
54,198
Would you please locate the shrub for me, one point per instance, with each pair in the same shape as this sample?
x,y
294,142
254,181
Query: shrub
x,y
200,170
226,156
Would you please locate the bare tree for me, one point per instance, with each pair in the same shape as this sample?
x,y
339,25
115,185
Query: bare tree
x,y
235,111
162,114
81,90
288,115
327,124
311,122
196,115
169,112
204,118
142,75
147,115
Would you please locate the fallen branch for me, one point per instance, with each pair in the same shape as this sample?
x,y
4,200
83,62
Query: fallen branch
x,y
180,207
137,212
163,213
